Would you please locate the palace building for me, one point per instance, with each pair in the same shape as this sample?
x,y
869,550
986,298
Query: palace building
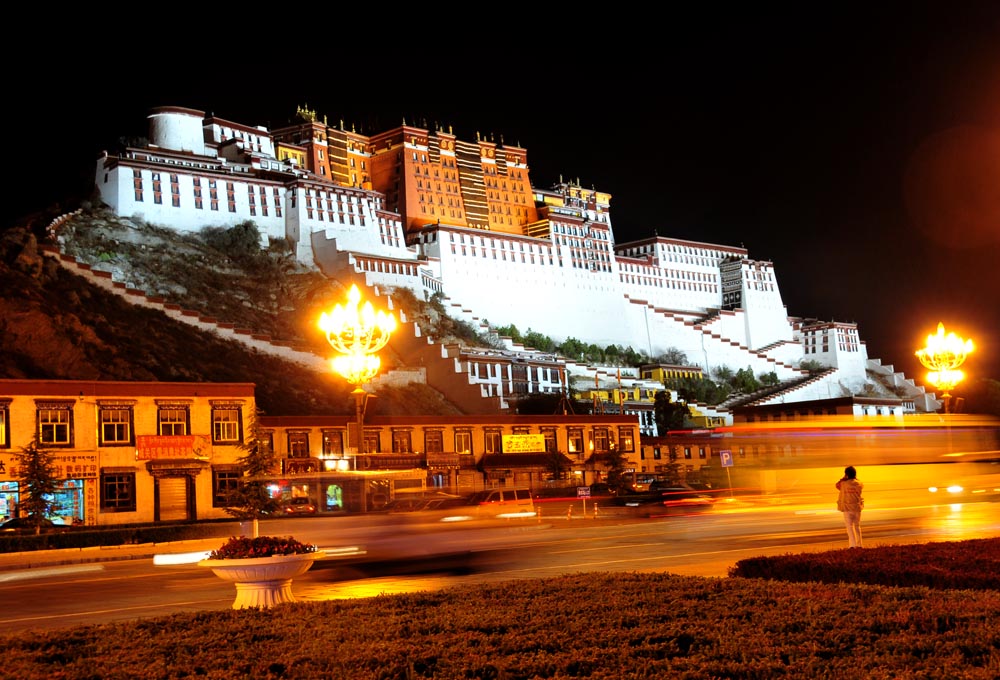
x,y
422,209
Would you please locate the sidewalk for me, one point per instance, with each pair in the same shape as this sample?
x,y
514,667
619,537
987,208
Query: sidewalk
x,y
136,551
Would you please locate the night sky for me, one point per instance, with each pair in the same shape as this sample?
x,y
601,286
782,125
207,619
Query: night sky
x,y
857,148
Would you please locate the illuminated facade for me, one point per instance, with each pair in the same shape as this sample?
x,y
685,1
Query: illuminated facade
x,y
420,208
137,452
127,452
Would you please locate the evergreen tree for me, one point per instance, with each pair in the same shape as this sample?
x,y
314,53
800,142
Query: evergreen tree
x,y
251,500
669,415
36,473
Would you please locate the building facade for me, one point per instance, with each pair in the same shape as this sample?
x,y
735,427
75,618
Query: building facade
x,y
127,452
138,452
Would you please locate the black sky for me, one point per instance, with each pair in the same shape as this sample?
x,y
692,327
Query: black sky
x,y
856,147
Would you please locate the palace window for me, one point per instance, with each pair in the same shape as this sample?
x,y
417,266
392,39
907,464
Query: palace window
x,y
115,425
117,491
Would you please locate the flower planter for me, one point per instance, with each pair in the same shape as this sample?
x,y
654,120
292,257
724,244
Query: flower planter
x,y
262,581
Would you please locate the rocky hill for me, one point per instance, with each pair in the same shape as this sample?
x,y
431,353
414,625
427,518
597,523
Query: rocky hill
x,y
55,325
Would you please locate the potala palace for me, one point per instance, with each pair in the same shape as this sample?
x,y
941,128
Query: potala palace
x,y
423,209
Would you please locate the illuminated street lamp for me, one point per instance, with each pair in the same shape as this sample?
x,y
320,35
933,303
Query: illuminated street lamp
x,y
357,332
943,354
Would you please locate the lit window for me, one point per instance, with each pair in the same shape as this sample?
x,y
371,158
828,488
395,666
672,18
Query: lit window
x,y
117,491
115,425
225,425
55,425
173,421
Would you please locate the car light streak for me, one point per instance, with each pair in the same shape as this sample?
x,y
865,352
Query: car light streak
x,y
51,571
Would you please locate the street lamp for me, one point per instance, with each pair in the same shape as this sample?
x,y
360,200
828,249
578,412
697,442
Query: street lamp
x,y
943,354
357,332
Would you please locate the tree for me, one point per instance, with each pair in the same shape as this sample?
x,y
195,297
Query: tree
x,y
556,464
669,415
745,381
673,357
542,343
723,374
616,462
769,379
812,366
572,349
251,499
36,473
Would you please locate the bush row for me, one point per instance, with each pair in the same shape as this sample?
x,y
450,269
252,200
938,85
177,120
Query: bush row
x,y
597,626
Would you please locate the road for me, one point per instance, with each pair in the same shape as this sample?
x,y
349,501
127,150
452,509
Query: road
x,y
372,555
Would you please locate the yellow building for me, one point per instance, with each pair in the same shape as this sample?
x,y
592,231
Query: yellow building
x,y
127,452
139,452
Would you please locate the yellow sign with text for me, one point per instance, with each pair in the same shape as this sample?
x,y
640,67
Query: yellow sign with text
x,y
524,443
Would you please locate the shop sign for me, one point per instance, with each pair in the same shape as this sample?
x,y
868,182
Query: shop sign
x,y
523,443
154,447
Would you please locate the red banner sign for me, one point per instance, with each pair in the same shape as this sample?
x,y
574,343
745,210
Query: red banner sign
x,y
154,447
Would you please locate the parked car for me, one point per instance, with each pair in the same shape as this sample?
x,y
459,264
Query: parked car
x,y
298,506
26,525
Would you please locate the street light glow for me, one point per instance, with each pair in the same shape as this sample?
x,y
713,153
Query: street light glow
x,y
943,354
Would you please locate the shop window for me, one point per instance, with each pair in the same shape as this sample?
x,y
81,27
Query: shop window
x,y
117,491
225,482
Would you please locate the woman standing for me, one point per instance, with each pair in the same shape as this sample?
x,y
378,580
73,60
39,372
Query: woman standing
x,y
851,504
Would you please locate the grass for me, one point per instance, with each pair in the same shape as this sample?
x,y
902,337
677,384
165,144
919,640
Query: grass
x,y
595,625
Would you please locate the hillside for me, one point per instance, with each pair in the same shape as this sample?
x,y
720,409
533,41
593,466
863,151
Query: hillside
x,y
55,325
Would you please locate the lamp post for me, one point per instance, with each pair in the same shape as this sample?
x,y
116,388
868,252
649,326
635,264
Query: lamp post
x,y
943,354
357,332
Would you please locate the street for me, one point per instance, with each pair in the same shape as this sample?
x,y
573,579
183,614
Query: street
x,y
372,555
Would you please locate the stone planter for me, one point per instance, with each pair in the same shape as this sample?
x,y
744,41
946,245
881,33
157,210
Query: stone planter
x,y
262,581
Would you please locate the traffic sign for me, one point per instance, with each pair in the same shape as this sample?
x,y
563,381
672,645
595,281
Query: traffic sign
x,y
583,492
726,458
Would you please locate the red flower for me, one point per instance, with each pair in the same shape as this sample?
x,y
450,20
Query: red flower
x,y
241,547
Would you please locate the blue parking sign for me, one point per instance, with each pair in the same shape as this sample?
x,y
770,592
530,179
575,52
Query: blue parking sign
x,y
726,458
